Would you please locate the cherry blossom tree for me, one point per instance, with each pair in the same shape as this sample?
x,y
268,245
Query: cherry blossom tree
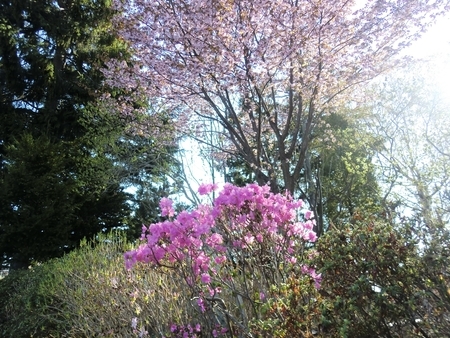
x,y
267,71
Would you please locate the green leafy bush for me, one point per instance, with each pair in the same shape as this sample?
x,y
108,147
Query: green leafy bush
x,y
377,283
89,293
291,310
24,303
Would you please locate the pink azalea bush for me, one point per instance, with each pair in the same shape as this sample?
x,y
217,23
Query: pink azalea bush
x,y
230,253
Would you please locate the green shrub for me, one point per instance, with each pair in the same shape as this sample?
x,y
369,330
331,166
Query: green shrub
x,y
376,283
291,310
89,293
24,304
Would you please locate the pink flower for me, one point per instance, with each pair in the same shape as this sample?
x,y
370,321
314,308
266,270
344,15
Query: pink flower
x,y
317,277
309,214
201,304
259,238
305,269
202,261
206,188
295,229
312,237
130,259
220,259
166,207
158,253
242,219
309,225
143,254
214,240
262,296
206,278
215,291
249,239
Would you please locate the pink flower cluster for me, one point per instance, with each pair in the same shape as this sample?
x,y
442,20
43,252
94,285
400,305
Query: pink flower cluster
x,y
185,331
241,218
166,206
206,188
247,226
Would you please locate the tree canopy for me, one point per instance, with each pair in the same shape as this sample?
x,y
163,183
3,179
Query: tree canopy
x,y
61,146
266,71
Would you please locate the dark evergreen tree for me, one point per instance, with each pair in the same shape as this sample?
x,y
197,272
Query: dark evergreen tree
x,y
58,156
239,172
142,165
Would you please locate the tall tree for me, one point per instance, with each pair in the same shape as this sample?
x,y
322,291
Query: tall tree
x,y
340,181
59,180
411,118
266,71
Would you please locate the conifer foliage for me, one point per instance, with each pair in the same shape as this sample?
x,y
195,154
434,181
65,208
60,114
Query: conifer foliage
x,y
55,139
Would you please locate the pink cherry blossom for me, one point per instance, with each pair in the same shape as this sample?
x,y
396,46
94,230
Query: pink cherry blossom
x,y
266,67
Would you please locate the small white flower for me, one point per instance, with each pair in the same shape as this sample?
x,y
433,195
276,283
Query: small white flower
x,y
134,323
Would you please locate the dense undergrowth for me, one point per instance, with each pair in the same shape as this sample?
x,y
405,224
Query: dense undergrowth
x,y
89,293
375,283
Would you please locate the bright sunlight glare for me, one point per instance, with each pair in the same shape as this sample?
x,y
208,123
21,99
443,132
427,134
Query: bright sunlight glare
x,y
434,48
